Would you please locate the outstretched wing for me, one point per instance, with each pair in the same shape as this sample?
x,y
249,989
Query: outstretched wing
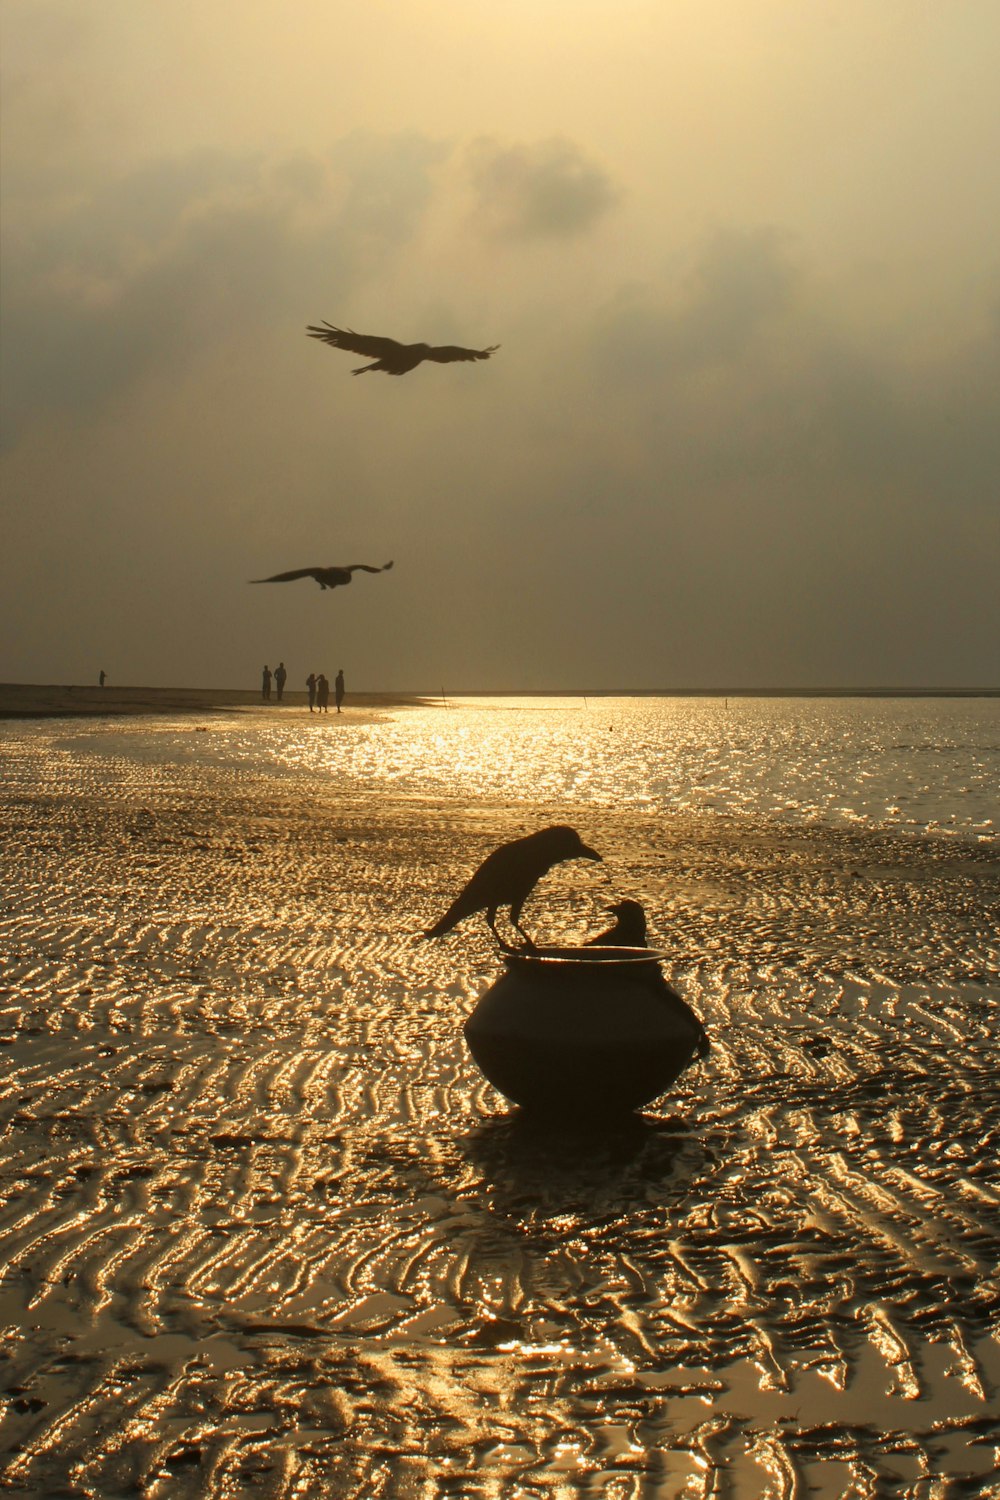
x,y
368,344
445,353
365,568
288,577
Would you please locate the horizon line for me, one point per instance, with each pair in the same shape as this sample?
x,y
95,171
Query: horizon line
x,y
881,691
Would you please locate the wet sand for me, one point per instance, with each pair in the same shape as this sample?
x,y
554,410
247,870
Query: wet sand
x,y
267,1231
23,700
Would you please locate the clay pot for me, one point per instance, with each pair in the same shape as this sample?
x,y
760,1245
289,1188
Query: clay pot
x,y
589,1030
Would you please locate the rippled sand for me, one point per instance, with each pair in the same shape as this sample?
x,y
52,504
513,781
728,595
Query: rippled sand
x,y
268,1232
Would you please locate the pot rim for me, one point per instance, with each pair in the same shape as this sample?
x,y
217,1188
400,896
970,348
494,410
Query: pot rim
x,y
582,956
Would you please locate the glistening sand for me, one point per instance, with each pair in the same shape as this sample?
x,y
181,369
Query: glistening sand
x,y
267,1231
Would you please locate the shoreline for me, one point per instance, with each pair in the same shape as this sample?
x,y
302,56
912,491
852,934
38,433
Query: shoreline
x,y
43,701
952,811
81,700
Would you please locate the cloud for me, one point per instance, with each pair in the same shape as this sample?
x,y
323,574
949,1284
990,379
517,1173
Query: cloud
x,y
779,457
546,190
387,183
715,476
113,281
139,275
743,282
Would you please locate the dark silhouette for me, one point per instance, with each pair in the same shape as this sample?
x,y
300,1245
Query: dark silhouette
x,y
393,358
311,685
323,693
583,1040
630,929
102,677
327,578
279,679
338,688
265,684
509,875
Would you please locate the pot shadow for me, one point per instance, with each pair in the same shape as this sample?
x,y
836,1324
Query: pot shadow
x,y
531,1165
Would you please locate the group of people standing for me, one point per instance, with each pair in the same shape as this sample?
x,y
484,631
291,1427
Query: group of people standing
x,y
279,674
318,687
319,692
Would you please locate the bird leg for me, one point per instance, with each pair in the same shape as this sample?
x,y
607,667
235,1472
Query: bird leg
x,y
502,943
491,920
515,913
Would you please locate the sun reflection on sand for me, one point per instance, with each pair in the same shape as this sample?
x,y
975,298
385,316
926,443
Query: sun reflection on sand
x,y
268,1228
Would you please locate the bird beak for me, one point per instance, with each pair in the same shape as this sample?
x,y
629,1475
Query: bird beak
x,y
586,853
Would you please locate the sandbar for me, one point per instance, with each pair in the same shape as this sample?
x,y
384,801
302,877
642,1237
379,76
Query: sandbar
x,y
25,700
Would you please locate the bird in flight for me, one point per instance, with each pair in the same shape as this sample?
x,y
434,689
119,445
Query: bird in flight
x,y
629,931
327,578
509,875
388,355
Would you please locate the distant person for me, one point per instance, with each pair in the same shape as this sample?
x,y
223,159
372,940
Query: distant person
x,y
265,684
311,686
338,688
279,679
323,693
102,677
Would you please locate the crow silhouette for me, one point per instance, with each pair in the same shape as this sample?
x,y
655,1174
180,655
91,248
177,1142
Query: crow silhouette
x,y
388,355
629,931
327,578
509,875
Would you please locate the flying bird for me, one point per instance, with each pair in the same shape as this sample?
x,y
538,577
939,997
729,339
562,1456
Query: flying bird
x,y
327,578
388,355
509,875
629,931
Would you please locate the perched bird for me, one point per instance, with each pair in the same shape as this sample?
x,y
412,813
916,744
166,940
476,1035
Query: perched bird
x,y
327,578
393,358
509,875
630,929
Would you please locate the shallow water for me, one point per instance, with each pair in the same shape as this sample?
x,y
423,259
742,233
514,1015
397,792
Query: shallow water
x,y
268,1231
915,765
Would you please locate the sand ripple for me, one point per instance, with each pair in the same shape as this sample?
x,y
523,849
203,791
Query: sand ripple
x,y
268,1232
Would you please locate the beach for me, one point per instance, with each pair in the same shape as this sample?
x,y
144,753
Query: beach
x,y
267,1230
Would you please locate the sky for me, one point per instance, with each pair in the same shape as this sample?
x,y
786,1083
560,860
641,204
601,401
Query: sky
x,y
743,263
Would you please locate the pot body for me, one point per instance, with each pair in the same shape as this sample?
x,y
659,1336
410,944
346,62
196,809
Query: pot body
x,y
582,1030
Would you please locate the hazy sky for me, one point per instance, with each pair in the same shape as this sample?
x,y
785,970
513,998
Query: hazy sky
x,y
743,260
